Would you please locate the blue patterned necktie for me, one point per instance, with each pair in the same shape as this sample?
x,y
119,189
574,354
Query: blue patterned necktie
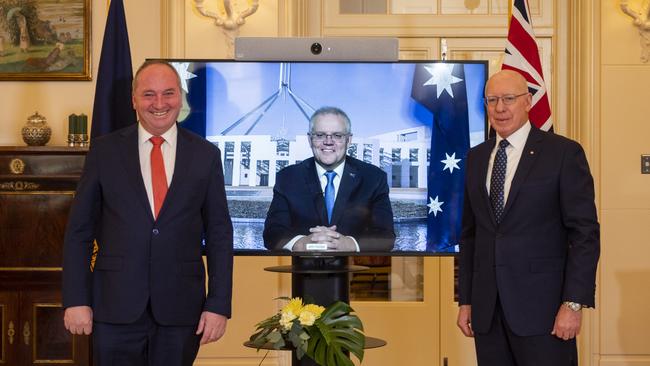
x,y
498,179
329,194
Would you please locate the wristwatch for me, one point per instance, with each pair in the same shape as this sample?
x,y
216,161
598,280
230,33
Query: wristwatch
x,y
573,305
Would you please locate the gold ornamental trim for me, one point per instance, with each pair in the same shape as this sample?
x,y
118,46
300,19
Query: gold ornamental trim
x,y
11,332
26,333
17,166
19,185
32,269
56,193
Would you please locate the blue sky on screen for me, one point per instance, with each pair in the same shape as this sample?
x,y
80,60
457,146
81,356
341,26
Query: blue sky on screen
x,y
376,96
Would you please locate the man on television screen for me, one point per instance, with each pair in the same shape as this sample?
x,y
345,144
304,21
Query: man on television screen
x,y
331,202
530,239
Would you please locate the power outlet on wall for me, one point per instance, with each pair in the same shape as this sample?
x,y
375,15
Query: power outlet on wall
x,y
645,164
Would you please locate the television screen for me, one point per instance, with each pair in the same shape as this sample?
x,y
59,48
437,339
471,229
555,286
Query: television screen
x,y
413,120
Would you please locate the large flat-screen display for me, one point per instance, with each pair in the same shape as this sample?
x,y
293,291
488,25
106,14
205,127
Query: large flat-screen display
x,y
413,120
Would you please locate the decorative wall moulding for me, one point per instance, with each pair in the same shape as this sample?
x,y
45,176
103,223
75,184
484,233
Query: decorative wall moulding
x,y
230,17
641,19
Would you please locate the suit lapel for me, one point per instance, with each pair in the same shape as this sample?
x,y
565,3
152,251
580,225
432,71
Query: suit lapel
x,y
484,161
350,180
181,166
131,162
312,183
531,150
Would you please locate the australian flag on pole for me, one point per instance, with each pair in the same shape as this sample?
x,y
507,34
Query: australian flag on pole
x,y
113,107
440,87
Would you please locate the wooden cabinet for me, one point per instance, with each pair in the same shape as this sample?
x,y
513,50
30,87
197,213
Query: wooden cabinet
x,y
37,186
32,325
10,325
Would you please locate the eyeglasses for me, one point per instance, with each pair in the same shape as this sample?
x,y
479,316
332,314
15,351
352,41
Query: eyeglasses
x,y
506,99
336,137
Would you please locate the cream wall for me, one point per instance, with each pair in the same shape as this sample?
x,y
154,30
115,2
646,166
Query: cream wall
x,y
625,193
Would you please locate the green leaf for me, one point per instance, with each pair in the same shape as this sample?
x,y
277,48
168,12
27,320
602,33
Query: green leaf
x,y
273,321
297,338
335,334
261,337
300,352
280,344
274,337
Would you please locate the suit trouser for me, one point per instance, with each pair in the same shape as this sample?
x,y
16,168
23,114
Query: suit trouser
x,y
144,343
500,346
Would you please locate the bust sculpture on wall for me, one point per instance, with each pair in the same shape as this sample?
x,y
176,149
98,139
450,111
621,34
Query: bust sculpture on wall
x,y
230,18
642,22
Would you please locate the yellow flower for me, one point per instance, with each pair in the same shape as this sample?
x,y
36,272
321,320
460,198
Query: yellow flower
x,y
290,312
294,307
310,313
314,309
307,318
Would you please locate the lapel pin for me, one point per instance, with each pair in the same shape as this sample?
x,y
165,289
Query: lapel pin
x,y
532,152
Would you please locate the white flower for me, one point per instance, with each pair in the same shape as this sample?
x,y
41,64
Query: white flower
x,y
286,320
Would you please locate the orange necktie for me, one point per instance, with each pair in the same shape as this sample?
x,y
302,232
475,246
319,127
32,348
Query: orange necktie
x,y
158,176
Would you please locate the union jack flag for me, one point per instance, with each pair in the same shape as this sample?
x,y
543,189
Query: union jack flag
x,y
522,56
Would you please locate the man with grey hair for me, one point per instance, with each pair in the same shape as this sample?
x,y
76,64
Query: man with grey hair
x,y
332,201
150,194
530,241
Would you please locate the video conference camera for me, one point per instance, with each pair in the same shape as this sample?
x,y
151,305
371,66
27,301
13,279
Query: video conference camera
x,y
316,49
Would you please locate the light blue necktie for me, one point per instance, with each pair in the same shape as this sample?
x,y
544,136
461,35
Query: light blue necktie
x,y
498,179
329,194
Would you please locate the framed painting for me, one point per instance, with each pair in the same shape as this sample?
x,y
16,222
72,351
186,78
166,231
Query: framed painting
x,y
45,40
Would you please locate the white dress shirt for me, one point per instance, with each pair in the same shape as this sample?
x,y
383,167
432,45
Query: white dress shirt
x,y
168,149
320,172
517,143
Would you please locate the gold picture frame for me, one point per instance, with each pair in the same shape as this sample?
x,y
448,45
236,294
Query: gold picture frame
x,y
45,40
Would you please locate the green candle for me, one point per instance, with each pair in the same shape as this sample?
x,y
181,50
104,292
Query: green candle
x,y
84,124
77,125
71,124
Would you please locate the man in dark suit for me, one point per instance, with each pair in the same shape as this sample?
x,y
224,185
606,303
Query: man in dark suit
x,y
530,241
149,195
331,201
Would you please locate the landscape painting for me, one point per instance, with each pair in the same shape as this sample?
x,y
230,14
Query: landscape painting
x,y
45,39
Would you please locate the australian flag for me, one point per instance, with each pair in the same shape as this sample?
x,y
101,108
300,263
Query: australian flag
x,y
440,87
113,108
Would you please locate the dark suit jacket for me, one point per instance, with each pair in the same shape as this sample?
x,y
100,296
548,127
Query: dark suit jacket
x,y
142,259
362,208
546,248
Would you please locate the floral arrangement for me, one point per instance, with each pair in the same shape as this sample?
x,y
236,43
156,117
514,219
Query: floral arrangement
x,y
326,335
